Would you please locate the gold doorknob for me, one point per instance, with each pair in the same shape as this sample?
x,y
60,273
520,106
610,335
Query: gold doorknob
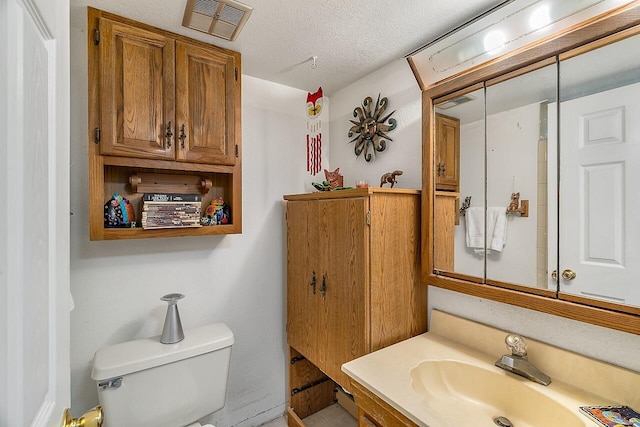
x,y
568,274
554,274
91,418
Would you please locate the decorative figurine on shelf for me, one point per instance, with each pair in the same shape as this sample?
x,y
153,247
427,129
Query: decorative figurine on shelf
x,y
322,186
335,179
119,213
217,213
389,178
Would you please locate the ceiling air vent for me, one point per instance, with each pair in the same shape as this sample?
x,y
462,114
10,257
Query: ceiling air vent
x,y
222,19
455,101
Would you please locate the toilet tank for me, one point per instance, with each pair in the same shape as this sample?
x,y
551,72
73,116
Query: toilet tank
x,y
146,383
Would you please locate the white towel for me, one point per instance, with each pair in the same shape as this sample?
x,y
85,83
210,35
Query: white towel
x,y
496,229
475,227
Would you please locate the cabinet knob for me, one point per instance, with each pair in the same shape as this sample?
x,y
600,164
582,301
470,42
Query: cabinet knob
x,y
183,135
169,135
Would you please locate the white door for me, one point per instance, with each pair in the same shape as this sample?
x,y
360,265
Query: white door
x,y
34,218
599,202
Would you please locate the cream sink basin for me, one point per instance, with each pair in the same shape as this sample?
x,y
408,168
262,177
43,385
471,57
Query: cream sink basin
x,y
446,377
467,394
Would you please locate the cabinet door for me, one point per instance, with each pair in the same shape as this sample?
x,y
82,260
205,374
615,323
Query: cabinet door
x,y
303,270
344,284
206,110
447,153
445,209
136,91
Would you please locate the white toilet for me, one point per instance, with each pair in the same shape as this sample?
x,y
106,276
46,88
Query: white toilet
x,y
147,383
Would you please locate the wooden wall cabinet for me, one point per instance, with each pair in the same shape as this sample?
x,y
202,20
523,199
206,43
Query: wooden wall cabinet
x,y
447,153
166,108
353,277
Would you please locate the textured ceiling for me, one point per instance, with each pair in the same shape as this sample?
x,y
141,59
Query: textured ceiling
x,y
351,38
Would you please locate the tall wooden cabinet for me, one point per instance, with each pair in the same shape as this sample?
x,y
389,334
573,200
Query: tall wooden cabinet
x,y
353,279
164,116
447,153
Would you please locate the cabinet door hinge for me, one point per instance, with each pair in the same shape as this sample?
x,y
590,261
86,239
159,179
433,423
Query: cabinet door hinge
x,y
368,217
96,135
237,151
96,36
235,72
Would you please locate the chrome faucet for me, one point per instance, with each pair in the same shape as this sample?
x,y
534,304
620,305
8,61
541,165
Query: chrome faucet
x,y
518,363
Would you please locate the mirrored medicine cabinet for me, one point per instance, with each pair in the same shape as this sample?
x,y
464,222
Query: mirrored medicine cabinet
x,y
531,176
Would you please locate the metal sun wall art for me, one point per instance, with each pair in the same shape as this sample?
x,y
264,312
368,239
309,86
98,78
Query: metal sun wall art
x,y
370,129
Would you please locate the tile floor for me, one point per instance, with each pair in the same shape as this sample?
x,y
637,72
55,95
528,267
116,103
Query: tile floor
x,y
332,416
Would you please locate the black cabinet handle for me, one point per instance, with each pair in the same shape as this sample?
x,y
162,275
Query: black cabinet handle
x,y
169,135
183,135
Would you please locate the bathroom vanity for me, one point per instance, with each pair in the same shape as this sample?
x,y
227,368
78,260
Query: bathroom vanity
x,y
447,377
551,122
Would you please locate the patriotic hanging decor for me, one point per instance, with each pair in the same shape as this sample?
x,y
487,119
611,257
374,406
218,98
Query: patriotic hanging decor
x,y
314,134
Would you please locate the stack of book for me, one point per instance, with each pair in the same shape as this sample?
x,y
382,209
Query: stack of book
x,y
165,210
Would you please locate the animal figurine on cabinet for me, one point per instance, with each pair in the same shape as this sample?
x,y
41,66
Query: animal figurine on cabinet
x,y
389,178
335,179
119,213
217,213
322,186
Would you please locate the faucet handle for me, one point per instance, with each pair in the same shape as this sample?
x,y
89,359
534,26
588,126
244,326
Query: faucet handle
x,y
516,344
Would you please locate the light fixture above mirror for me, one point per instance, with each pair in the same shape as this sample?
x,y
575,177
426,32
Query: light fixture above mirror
x,y
508,27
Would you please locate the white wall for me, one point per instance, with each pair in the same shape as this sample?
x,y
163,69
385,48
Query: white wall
x,y
512,162
397,82
236,279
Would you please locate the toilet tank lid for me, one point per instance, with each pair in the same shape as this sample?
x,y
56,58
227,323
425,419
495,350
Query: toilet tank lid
x,y
132,356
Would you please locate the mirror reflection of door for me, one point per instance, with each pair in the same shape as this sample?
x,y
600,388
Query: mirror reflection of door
x,y
454,255
599,250
517,134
